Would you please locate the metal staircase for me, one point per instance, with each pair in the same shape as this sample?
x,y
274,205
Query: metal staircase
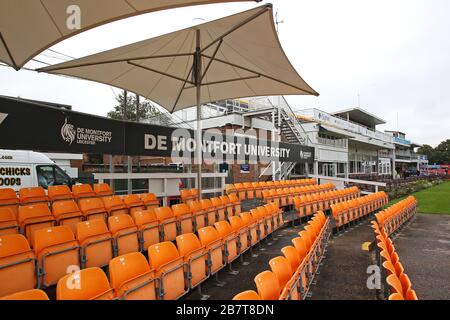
x,y
290,127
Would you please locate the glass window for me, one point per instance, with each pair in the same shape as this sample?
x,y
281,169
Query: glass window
x,y
51,175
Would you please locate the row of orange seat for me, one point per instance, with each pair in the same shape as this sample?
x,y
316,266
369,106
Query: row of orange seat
x,y
292,274
285,196
173,270
187,218
251,190
350,211
397,283
396,215
306,205
37,194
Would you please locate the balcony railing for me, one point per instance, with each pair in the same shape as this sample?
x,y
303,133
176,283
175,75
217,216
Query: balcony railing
x,y
321,116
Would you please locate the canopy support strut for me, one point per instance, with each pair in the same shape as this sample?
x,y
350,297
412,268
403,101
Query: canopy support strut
x,y
197,72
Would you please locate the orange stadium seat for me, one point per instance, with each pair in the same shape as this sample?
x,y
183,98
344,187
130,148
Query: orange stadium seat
x,y
185,221
124,233
8,199
167,222
93,208
148,226
114,206
103,190
132,278
18,270
97,247
34,217
195,257
32,195
86,284
56,193
133,203
67,213
150,200
83,191
58,253
169,269
210,239
29,295
8,222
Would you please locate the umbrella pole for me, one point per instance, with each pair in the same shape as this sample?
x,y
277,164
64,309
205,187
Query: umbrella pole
x,y
198,77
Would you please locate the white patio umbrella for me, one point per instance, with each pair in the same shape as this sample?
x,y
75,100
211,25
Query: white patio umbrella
x,y
28,27
233,57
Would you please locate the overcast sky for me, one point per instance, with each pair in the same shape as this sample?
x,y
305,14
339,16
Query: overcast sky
x,y
394,54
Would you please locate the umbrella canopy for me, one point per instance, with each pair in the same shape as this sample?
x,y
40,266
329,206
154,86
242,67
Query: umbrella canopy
x,y
29,27
237,56
240,56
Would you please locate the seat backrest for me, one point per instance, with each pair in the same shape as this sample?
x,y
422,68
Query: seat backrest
x,y
102,190
112,202
187,243
33,211
117,223
206,204
162,253
147,197
300,245
267,285
233,198
208,235
225,200
236,223
45,238
91,228
83,190
394,282
13,244
216,202
132,199
86,284
59,192
144,217
164,213
65,206
195,206
29,295
247,295
247,218
7,215
8,196
181,209
281,267
223,228
32,195
292,255
127,267
185,194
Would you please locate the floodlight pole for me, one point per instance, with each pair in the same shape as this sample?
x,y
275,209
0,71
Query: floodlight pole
x,y
197,77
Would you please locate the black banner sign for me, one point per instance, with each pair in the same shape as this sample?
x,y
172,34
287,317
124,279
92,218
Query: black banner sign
x,y
34,126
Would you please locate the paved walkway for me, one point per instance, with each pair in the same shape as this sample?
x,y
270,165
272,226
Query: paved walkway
x,y
343,274
244,280
424,250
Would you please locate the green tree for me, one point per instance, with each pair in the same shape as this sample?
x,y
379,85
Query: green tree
x,y
428,151
126,108
442,152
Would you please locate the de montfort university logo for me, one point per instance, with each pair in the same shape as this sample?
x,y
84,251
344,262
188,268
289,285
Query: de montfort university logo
x,y
68,132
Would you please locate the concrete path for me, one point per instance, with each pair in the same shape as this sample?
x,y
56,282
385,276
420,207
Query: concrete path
x,y
343,273
424,250
244,280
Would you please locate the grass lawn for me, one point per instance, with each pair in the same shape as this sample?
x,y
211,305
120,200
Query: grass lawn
x,y
433,200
